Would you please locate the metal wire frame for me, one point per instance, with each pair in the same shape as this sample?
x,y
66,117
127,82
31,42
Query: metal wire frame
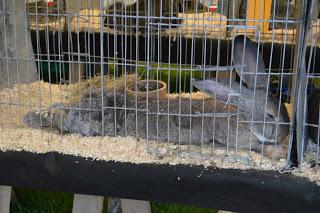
x,y
118,57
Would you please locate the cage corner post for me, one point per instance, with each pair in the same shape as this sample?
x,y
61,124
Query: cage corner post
x,y
299,80
5,197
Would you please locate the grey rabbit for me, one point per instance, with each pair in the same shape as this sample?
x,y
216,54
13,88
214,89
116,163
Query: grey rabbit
x,y
178,119
275,115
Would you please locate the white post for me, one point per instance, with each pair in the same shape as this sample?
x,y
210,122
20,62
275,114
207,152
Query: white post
x,y
5,196
87,204
135,206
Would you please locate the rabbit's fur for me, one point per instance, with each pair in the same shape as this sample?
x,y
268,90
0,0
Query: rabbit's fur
x,y
267,118
162,122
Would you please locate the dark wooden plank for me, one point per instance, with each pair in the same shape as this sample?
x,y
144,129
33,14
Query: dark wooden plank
x,y
227,189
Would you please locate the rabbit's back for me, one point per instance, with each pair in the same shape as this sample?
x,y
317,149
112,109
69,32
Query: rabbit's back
x,y
181,120
174,120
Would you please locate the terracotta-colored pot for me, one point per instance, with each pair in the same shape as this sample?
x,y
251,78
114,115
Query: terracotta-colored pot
x,y
156,89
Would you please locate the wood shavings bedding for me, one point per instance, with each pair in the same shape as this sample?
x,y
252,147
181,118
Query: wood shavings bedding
x,y
16,137
125,149
128,149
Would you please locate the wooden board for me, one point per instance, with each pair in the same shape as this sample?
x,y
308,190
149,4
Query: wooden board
x,y
87,204
135,206
229,189
5,195
259,10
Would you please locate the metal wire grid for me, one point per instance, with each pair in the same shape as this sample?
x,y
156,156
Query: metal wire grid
x,y
128,62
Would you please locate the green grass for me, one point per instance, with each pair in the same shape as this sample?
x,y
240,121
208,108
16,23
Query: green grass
x,y
165,208
38,201
316,82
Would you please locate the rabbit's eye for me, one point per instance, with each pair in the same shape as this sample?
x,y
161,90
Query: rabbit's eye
x,y
270,115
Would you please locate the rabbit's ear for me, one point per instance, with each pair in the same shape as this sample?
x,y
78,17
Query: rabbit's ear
x,y
245,58
213,88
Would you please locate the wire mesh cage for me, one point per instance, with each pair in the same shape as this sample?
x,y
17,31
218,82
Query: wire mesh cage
x,y
232,84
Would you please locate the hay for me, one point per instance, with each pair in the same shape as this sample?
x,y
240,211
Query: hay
x,y
128,149
109,84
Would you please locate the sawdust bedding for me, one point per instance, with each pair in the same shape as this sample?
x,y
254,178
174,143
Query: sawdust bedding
x,y
14,135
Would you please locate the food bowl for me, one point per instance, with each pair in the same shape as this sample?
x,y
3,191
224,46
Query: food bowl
x,y
154,89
